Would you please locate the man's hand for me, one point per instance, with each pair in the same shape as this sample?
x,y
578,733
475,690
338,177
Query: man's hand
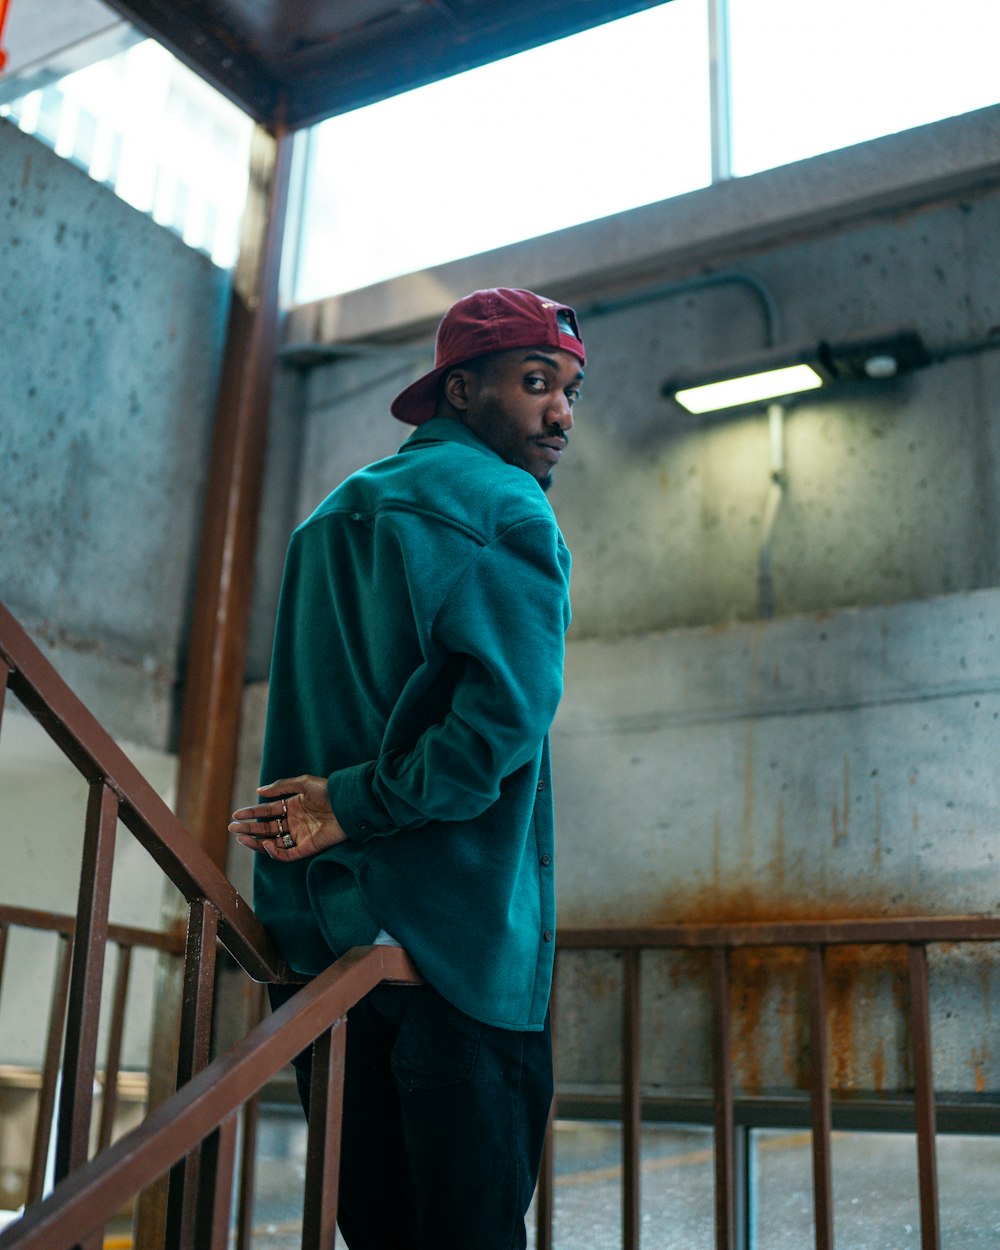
x,y
296,823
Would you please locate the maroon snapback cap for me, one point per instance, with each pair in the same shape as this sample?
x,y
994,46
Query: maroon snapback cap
x,y
497,320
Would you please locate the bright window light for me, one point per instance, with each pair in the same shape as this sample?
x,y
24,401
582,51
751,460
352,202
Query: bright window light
x,y
603,121
754,388
809,78
160,136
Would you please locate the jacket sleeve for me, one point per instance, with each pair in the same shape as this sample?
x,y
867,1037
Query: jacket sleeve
x,y
502,625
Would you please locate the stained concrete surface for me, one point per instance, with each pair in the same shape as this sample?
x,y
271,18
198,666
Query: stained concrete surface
x,y
109,361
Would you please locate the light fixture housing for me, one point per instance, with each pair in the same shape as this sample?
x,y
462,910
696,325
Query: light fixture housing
x,y
779,375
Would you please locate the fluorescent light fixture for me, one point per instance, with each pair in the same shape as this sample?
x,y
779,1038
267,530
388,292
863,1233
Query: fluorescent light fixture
x,y
784,372
751,388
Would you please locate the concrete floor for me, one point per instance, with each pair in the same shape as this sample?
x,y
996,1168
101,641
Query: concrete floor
x,y
874,1177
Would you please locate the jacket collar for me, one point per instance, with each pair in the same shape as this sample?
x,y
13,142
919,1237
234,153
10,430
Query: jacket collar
x,y
445,430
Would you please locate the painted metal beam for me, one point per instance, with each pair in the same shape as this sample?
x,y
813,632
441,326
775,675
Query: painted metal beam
x,y
220,623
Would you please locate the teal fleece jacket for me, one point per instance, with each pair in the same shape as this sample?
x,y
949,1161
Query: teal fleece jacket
x,y
418,660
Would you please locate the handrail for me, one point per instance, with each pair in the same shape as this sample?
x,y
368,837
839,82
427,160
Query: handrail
x,y
877,930
206,1105
96,755
59,922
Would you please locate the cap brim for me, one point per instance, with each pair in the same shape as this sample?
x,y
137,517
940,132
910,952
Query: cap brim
x,y
417,403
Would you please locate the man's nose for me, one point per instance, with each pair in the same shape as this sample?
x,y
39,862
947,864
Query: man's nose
x,y
561,412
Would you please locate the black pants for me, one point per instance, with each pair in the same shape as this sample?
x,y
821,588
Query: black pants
x,y
444,1119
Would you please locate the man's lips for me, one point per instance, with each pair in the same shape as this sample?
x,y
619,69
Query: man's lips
x,y
554,447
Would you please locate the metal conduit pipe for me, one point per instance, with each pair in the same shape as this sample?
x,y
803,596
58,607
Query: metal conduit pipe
x,y
773,329
775,496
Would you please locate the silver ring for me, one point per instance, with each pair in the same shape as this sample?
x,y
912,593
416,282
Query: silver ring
x,y
284,809
281,827
288,841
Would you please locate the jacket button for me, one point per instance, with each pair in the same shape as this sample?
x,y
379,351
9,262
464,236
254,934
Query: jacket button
x,y
541,785
547,935
546,860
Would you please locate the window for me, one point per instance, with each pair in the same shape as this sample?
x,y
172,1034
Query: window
x,y
587,126
151,129
808,78
607,120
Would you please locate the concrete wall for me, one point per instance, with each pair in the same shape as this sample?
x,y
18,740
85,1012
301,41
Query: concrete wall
x,y
892,494
109,356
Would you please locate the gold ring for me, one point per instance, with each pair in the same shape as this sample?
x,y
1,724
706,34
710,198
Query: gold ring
x,y
284,808
281,827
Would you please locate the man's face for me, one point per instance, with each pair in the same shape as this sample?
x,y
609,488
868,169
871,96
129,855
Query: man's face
x,y
520,403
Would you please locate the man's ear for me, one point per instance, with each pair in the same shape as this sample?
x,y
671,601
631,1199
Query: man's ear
x,y
456,388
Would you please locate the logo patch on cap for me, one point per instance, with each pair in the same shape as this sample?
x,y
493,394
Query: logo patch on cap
x,y
566,322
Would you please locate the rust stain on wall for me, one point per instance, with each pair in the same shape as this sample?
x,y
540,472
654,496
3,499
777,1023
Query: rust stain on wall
x,y
688,967
980,1057
766,1001
716,904
840,1018
746,1004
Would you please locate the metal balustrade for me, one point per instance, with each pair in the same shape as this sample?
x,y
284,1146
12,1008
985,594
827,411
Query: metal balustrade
x,y
814,940
125,940
194,1133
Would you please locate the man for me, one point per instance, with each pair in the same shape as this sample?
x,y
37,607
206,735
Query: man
x,y
417,667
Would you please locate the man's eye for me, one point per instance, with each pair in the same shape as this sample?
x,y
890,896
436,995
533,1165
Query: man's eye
x,y
572,394
535,382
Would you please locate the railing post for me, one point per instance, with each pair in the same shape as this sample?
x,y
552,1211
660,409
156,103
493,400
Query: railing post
x,y
326,1102
819,1082
89,944
725,1194
631,1101
3,952
248,1163
215,1187
50,1074
116,1033
193,1055
248,1143
5,672
923,1082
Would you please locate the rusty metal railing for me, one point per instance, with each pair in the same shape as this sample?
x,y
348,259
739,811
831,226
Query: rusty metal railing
x,y
203,1113
193,1134
814,939
125,939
